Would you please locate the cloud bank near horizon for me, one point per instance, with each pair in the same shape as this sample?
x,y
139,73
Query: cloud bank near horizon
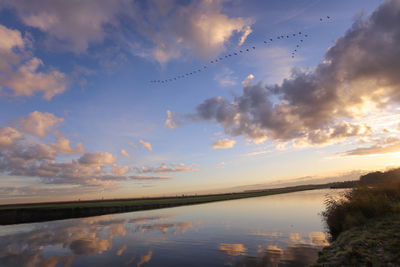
x,y
24,153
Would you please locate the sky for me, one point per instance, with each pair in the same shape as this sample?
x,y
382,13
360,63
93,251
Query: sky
x,y
149,98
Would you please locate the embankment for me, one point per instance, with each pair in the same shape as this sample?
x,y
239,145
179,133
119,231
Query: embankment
x,y
377,243
365,223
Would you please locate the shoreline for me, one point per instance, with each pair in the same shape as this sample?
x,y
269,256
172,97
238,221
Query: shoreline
x,y
376,243
365,224
40,212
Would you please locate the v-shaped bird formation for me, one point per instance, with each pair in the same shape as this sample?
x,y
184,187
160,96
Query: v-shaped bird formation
x,y
299,36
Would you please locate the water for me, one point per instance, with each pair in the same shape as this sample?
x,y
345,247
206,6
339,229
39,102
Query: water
x,y
279,230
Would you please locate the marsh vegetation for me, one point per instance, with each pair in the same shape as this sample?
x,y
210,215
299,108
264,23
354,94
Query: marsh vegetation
x,y
364,222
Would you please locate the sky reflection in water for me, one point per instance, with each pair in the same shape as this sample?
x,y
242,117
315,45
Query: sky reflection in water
x,y
273,230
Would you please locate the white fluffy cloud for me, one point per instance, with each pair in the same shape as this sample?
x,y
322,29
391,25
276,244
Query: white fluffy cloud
x,y
19,70
63,146
200,27
38,123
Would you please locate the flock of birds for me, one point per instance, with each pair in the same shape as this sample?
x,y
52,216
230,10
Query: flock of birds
x,y
300,35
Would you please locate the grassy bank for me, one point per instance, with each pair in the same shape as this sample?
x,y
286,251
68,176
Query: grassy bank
x,y
24,213
376,243
365,223
360,205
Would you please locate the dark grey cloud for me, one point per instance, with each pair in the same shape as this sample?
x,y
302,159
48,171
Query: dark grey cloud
x,y
318,105
97,158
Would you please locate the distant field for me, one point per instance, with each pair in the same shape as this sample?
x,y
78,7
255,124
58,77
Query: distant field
x,y
23,213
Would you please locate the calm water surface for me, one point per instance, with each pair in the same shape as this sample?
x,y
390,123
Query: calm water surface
x,y
280,230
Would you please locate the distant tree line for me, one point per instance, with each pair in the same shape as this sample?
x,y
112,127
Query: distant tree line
x,y
391,176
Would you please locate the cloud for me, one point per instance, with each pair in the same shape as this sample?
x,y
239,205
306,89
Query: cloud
x,y
7,136
70,26
200,27
97,158
124,153
333,134
387,145
91,169
223,144
257,153
119,170
171,122
33,163
149,178
146,145
26,80
225,78
132,144
38,123
329,102
12,40
175,119
19,70
173,28
63,146
246,32
246,82
163,168
21,155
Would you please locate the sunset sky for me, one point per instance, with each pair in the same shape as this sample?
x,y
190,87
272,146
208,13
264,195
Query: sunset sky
x,y
97,99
